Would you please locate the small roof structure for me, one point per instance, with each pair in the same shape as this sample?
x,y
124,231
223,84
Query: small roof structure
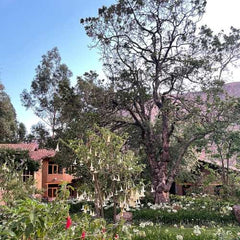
x,y
205,157
34,152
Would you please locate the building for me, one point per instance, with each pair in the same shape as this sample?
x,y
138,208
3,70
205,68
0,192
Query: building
x,y
50,175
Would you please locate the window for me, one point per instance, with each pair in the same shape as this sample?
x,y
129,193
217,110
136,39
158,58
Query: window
x,y
53,168
52,190
27,174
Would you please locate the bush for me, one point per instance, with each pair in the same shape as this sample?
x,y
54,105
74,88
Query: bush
x,y
196,233
31,219
187,217
188,210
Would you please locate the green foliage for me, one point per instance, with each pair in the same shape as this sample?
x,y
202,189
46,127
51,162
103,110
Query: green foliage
x,y
89,106
21,132
182,233
8,121
154,76
188,217
17,159
13,187
190,168
31,219
207,210
112,170
50,90
41,134
13,163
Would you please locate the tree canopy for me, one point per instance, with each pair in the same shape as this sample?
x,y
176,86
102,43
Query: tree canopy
x,y
8,121
156,56
50,89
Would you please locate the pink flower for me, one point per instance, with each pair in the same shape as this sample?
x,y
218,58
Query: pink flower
x,y
116,236
83,235
69,222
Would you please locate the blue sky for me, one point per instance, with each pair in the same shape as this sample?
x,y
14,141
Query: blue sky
x,y
29,28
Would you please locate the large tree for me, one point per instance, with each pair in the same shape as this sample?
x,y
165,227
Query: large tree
x,y
50,90
155,56
8,121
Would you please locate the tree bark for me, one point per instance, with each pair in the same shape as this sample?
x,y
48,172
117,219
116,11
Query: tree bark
x,y
161,170
160,184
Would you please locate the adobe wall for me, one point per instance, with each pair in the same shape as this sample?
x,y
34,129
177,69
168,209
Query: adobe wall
x,y
52,178
38,177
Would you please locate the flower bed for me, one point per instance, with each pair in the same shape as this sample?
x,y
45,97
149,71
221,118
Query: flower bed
x,y
195,233
196,210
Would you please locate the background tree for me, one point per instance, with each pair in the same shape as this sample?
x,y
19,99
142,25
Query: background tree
x,y
89,106
224,142
8,122
155,56
49,90
41,135
21,132
91,100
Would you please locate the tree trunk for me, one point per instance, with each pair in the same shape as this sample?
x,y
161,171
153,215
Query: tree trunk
x,y
160,181
159,165
161,184
96,205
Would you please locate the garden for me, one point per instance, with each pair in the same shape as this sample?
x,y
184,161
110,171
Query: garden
x,y
162,111
105,199
192,217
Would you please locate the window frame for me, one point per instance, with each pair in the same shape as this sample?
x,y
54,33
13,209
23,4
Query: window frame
x,y
54,168
27,174
53,189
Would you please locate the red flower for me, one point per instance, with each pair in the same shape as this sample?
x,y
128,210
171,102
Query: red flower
x,y
116,236
103,230
83,235
69,222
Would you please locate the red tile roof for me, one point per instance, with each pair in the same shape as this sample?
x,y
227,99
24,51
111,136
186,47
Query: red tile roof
x,y
41,154
21,146
34,153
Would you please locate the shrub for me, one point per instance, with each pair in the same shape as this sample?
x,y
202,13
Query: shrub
x,y
182,217
188,210
173,233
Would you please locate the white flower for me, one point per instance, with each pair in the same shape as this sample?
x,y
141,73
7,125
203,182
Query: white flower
x,y
144,224
179,237
196,230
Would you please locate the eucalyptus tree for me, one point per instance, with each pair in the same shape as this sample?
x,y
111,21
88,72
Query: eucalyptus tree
x,y
50,90
155,56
